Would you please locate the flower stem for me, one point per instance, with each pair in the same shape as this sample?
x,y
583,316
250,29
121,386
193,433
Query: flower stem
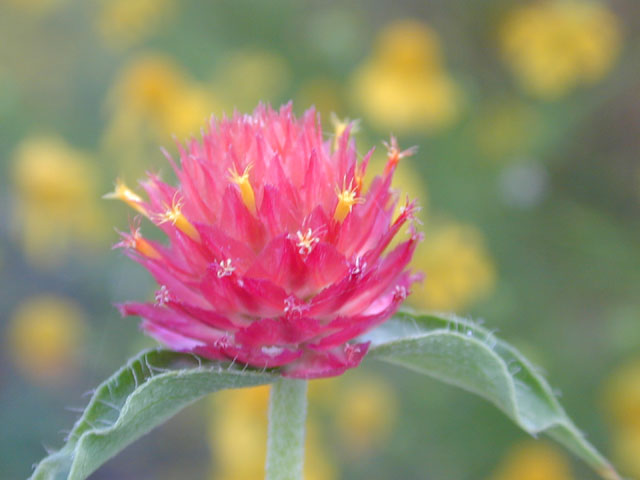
x,y
285,445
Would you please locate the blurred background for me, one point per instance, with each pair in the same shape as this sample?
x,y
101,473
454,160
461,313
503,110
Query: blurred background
x,y
527,116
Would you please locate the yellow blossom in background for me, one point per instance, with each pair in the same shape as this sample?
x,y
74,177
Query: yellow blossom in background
x,y
246,77
626,445
122,23
458,268
152,99
44,335
154,92
56,198
622,397
403,85
365,414
533,460
238,437
553,46
363,409
239,424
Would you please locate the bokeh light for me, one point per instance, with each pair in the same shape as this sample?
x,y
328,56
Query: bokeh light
x,y
533,461
45,338
555,45
404,85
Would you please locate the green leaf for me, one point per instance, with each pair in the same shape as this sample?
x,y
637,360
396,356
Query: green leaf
x,y
461,353
148,390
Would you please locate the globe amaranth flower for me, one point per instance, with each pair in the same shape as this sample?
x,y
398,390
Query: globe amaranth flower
x,y
277,257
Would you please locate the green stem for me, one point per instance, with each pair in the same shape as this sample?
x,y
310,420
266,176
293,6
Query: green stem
x,y
285,445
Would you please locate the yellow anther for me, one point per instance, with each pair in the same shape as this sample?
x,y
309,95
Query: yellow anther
x,y
339,126
246,191
124,193
175,216
142,246
347,198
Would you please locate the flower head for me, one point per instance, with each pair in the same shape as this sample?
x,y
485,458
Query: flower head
x,y
277,256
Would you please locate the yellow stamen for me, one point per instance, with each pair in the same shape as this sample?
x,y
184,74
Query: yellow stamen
x,y
339,126
246,191
175,216
347,198
142,246
145,248
124,193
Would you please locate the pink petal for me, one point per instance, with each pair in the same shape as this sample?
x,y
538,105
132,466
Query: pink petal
x,y
280,331
328,363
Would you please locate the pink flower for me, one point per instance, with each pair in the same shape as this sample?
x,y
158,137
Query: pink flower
x,y
276,255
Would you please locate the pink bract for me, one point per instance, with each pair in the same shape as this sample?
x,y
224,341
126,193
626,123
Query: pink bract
x,y
277,257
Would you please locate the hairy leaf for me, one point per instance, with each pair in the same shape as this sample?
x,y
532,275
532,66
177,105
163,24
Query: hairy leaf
x,y
158,383
147,391
461,353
